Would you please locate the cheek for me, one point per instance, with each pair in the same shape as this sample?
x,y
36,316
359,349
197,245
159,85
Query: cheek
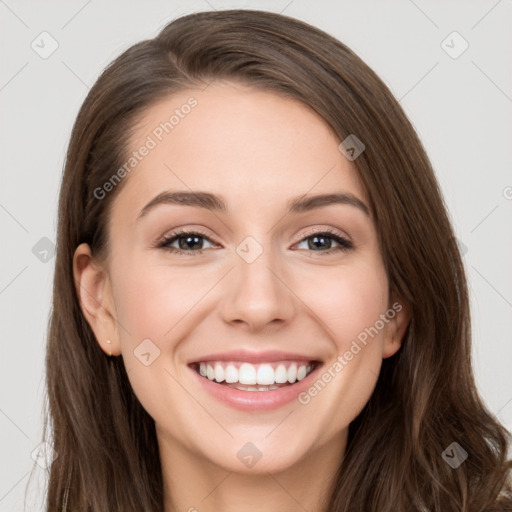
x,y
351,307
350,302
150,300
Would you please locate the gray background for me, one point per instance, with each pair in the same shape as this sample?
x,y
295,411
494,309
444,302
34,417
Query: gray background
x,y
461,108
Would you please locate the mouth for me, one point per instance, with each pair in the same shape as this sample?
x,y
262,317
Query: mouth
x,y
261,377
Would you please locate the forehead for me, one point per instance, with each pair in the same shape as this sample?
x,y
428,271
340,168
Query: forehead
x,y
255,148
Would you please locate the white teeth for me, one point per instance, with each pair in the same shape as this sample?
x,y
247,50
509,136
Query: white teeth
x,y
301,372
249,377
231,374
265,374
280,374
247,374
243,387
219,372
292,373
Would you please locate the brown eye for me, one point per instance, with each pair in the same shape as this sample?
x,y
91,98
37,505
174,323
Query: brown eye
x,y
190,242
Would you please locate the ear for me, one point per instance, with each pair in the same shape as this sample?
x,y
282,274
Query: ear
x,y
399,315
96,300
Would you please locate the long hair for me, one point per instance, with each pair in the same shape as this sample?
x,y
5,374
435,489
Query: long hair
x,y
425,397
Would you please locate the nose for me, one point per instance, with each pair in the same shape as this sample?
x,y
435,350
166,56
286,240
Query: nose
x,y
258,294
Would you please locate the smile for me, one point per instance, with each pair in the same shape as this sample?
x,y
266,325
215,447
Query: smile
x,y
255,377
251,382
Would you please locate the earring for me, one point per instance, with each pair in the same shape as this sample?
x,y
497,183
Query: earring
x,y
110,353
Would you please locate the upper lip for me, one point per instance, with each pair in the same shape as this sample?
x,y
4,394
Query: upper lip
x,y
253,357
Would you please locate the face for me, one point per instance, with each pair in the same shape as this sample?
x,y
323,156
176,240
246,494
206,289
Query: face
x,y
280,297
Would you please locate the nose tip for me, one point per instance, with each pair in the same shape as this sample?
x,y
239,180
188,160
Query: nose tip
x,y
255,295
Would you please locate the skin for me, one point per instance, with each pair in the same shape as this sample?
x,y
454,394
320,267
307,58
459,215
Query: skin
x,y
257,150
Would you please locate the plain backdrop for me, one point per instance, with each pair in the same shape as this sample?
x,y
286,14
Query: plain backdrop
x,y
459,100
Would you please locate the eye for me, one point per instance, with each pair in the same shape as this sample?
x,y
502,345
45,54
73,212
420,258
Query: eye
x,y
323,239
189,242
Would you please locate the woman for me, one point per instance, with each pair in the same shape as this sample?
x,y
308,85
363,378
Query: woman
x,y
258,300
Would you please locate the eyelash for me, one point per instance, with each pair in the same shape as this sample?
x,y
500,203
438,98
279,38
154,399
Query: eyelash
x,y
344,244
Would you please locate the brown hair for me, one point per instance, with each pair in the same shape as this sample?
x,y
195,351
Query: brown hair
x,y
425,397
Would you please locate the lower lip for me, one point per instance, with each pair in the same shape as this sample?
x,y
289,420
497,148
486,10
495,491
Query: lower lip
x,y
256,400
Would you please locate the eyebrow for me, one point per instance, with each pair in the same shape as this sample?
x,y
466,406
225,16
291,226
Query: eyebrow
x,y
213,202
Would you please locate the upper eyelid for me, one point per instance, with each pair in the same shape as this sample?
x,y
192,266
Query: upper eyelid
x,y
328,231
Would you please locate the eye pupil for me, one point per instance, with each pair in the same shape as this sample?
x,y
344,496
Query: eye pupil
x,y
185,245
315,241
